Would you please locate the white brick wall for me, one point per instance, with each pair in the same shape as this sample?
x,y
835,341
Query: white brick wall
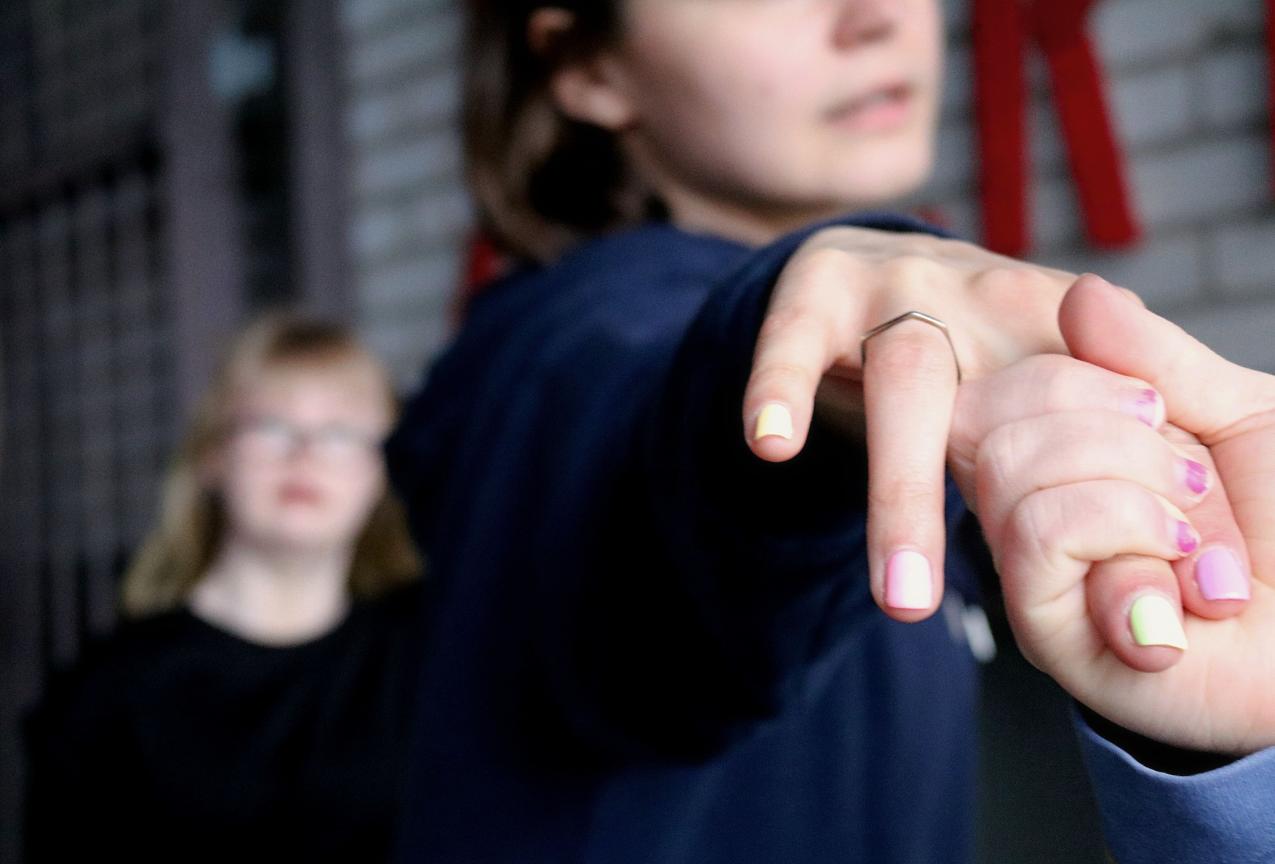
x,y
410,211
1188,96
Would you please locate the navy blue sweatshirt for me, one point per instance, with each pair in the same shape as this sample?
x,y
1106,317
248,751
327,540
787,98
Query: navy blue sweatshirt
x,y
646,644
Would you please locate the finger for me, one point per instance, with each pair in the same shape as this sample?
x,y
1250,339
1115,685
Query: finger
x,y
797,343
1228,407
1214,581
1053,536
1134,603
1200,388
909,388
1049,450
1046,384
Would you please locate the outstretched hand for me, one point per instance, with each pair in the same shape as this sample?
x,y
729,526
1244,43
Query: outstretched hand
x,y
844,281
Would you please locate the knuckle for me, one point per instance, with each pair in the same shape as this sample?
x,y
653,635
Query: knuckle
x,y
820,263
784,377
912,274
1000,282
1056,383
1036,527
992,462
911,352
794,315
905,499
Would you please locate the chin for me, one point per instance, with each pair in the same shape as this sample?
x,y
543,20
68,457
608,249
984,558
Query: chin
x,y
297,537
885,179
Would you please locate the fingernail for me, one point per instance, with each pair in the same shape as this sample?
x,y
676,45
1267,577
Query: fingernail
x,y
1123,293
1194,476
1146,405
1188,540
1219,575
909,582
1154,621
1183,533
774,420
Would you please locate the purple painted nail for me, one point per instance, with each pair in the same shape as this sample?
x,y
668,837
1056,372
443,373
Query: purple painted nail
x,y
1147,406
1196,476
1188,541
1220,576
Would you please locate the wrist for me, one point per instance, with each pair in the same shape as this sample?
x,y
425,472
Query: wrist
x,y
1153,754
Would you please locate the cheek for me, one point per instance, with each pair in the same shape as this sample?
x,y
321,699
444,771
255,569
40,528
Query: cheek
x,y
246,487
355,493
723,120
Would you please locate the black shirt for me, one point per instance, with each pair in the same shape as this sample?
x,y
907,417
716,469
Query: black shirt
x,y
177,740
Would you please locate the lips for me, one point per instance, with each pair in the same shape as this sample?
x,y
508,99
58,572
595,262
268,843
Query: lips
x,y
883,109
300,493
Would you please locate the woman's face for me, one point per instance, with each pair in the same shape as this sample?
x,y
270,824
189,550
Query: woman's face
x,y
783,109
301,467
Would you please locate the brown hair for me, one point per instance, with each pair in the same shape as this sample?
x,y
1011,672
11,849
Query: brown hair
x,y
192,523
542,181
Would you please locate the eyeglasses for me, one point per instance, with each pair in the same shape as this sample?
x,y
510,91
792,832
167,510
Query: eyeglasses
x,y
275,438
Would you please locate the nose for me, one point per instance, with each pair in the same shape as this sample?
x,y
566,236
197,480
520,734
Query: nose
x,y
863,21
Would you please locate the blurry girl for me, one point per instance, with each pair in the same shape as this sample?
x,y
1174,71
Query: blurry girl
x,y
256,702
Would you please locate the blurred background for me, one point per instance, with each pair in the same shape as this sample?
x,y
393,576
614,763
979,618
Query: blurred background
x,y
169,168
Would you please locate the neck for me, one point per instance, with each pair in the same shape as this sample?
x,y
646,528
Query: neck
x,y
273,596
750,221
750,225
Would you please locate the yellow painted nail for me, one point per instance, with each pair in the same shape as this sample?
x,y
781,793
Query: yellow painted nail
x,y
775,420
1154,621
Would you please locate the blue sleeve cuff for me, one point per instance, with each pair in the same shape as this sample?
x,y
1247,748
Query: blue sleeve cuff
x,y
1226,814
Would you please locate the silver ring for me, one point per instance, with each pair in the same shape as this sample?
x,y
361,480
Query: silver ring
x,y
910,315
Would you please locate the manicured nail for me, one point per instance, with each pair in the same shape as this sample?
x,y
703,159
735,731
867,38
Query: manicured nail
x,y
909,582
1220,576
1184,535
774,420
1146,405
1188,540
1154,621
1194,476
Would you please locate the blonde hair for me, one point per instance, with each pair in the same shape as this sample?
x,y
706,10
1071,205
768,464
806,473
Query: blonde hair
x,y
192,524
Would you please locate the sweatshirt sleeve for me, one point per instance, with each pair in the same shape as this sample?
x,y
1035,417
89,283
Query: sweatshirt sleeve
x,y
715,581
1188,808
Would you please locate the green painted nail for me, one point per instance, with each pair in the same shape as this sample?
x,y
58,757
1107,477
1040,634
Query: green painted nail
x,y
1154,621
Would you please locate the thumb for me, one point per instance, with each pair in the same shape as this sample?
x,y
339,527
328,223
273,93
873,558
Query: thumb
x,y
1202,392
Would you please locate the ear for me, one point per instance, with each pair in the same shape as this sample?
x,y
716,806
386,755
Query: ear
x,y
588,89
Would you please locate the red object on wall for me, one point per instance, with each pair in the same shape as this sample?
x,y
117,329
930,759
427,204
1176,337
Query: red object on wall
x,y
1001,30
484,263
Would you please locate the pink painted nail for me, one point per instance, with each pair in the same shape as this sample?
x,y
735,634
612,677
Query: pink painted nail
x,y
1195,476
1188,540
909,582
1147,406
1220,576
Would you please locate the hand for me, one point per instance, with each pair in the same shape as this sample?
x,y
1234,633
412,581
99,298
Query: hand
x,y
1220,694
841,283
